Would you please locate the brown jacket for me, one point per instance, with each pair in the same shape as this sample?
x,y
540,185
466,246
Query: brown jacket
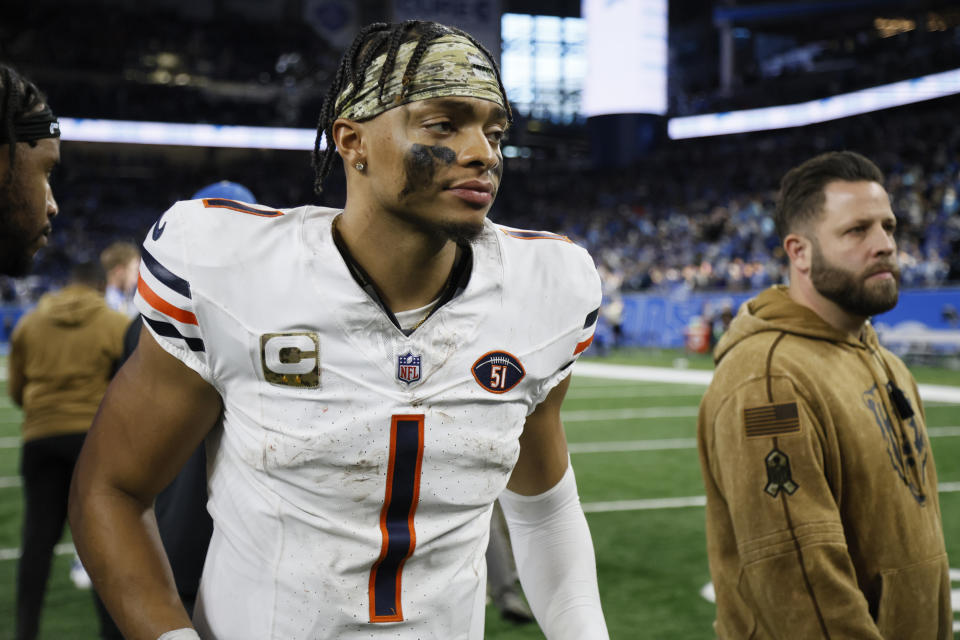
x,y
823,519
62,355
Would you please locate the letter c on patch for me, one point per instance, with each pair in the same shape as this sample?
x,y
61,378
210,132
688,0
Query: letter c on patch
x,y
298,364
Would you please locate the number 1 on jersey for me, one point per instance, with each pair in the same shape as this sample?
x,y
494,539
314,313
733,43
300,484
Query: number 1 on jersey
x,y
396,517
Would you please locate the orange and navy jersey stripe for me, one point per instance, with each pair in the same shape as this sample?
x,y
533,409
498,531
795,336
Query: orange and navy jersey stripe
x,y
586,335
167,303
242,207
397,518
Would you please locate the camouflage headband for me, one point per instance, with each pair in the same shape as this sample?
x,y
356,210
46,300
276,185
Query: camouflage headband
x,y
451,66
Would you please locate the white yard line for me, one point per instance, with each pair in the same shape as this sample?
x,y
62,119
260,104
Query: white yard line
x,y
644,505
643,374
63,549
687,501
588,507
628,414
615,391
632,445
928,392
9,482
661,444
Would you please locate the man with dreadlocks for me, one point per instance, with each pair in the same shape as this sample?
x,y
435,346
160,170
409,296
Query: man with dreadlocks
x,y
370,381
29,150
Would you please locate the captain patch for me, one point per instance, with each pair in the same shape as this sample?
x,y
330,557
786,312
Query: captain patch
x,y
771,420
291,359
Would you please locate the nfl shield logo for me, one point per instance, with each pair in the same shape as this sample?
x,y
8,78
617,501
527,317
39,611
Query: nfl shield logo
x,y
408,367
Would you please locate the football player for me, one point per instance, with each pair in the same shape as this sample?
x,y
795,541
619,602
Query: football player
x,y
368,380
29,150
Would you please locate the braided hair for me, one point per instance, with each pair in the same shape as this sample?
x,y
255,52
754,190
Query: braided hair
x,y
18,96
372,41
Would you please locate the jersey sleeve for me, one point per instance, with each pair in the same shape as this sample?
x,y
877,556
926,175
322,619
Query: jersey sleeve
x,y
578,298
766,460
165,296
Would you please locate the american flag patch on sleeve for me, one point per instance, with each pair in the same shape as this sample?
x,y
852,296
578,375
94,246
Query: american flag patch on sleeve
x,y
771,420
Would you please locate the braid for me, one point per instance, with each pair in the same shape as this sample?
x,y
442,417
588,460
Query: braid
x,y
370,43
496,69
10,98
392,49
431,33
17,97
323,160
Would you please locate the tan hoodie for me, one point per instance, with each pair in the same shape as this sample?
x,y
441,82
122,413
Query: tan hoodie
x,y
62,355
823,519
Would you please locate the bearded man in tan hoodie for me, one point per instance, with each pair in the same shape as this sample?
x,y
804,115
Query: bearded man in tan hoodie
x,y
822,513
62,356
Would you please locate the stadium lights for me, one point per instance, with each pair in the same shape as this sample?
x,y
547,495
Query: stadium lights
x,y
794,115
193,135
885,96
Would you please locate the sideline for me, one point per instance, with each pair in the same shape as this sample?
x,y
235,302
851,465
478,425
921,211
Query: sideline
x,y
928,392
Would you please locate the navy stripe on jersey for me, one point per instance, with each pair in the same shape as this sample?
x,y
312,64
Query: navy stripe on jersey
x,y
223,203
167,330
399,537
165,276
591,317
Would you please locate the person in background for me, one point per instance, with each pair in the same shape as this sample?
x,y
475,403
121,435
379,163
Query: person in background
x,y
611,280
823,519
121,263
62,355
502,586
29,151
227,190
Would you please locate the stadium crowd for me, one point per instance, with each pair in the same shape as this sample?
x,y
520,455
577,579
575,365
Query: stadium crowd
x,y
697,215
691,216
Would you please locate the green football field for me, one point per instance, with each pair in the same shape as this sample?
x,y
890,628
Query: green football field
x,y
634,452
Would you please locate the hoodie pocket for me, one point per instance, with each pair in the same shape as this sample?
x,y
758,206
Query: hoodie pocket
x,y
911,599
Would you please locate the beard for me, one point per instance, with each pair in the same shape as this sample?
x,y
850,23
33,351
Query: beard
x,y
461,232
15,241
850,291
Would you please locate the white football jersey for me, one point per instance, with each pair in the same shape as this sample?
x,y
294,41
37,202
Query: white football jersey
x,y
352,480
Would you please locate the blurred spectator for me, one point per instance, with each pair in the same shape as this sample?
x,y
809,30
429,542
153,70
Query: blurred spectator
x,y
121,263
62,356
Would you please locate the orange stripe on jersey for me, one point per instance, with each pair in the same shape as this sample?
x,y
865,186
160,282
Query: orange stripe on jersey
x,y
233,205
583,346
397,517
535,235
162,305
